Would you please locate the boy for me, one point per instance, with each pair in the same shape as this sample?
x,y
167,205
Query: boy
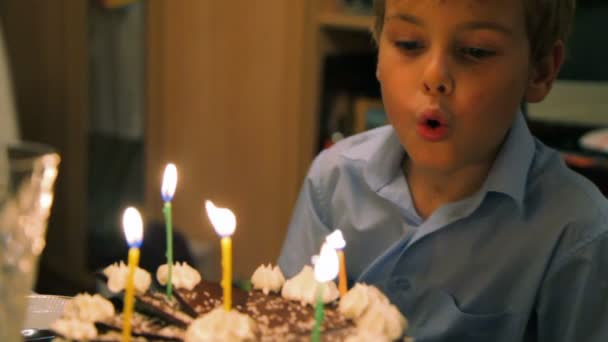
x,y
474,230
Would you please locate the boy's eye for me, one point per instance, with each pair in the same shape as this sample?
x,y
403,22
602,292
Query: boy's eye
x,y
408,45
477,53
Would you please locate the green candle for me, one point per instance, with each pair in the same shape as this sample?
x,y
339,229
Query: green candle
x,y
319,315
169,226
326,269
167,192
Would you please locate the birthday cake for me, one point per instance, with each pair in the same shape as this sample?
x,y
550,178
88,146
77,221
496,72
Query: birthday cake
x,y
273,310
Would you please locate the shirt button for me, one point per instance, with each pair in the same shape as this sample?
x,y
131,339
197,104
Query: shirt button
x,y
400,284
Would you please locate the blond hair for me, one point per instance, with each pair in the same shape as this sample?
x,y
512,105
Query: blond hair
x,y
547,21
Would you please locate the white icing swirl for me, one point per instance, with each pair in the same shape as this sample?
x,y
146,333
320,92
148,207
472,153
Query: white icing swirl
x,y
74,329
383,319
267,278
367,336
117,278
372,311
183,276
222,325
87,308
305,288
354,303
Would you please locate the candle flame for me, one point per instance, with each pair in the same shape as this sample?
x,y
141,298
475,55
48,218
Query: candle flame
x,y
169,182
46,200
133,227
327,264
222,219
336,240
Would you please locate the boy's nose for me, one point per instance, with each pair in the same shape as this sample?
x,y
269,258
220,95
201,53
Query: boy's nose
x,y
437,79
436,89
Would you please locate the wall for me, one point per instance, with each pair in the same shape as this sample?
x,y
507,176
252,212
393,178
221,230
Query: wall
x,y
225,80
46,45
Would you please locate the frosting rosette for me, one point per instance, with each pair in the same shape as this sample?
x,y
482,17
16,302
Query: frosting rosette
x,y
183,276
372,312
117,278
367,336
267,278
88,308
75,329
354,303
222,325
305,288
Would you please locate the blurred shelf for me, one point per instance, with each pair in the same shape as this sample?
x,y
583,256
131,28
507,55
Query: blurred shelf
x,y
345,21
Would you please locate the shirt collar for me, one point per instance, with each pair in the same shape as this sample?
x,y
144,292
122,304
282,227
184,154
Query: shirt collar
x,y
508,174
381,155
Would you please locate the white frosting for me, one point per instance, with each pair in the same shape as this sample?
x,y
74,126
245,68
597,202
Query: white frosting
x,y
87,308
183,276
75,329
305,288
367,336
372,311
117,278
383,319
354,303
267,278
222,325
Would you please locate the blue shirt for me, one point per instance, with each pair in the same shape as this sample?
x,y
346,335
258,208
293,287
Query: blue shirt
x,y
523,259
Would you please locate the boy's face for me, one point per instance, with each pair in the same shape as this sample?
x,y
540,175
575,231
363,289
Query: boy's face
x,y
453,74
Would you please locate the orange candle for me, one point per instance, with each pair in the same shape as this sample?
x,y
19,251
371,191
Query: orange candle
x,y
336,241
342,282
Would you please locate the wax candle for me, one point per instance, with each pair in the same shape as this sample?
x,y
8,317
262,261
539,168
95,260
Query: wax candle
x,y
167,192
226,243
319,316
326,269
336,241
224,223
133,227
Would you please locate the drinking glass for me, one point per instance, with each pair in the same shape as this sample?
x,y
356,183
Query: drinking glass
x,y
26,195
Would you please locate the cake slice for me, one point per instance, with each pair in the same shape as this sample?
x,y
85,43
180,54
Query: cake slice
x,y
287,320
206,296
158,304
148,327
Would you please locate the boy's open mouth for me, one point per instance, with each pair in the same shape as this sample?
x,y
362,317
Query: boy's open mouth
x,y
432,126
432,123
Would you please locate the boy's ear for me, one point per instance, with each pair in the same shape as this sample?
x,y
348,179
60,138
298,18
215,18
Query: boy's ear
x,y
544,73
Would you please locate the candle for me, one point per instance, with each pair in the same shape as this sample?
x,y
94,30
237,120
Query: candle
x,y
167,191
224,223
133,227
319,316
336,241
326,269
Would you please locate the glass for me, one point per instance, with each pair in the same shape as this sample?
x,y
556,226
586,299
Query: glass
x,y
28,172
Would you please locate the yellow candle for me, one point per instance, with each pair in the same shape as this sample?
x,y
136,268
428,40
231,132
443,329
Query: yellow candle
x,y
342,286
227,272
133,227
224,223
129,298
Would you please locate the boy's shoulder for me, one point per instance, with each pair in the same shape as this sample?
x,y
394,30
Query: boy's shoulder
x,y
357,155
570,199
361,146
552,177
